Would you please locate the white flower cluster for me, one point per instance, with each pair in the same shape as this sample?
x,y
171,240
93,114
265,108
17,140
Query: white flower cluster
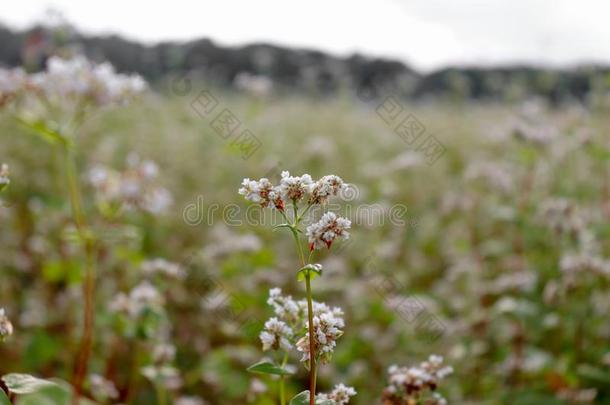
x,y
76,79
562,216
340,395
573,265
262,192
292,189
4,179
291,316
143,296
6,327
276,335
102,388
136,187
164,375
162,267
322,233
410,383
12,81
327,325
326,187
79,78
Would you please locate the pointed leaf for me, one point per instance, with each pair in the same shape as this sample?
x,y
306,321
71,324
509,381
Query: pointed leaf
x,y
282,226
266,367
24,383
313,270
43,130
301,399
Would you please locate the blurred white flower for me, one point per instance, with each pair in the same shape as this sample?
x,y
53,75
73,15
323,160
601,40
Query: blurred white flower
x,y
143,296
167,376
412,382
102,388
162,267
4,179
78,78
6,327
136,187
340,395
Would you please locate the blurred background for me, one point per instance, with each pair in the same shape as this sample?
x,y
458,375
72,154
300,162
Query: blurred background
x,y
474,137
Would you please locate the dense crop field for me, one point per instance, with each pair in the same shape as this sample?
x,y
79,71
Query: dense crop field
x,y
479,233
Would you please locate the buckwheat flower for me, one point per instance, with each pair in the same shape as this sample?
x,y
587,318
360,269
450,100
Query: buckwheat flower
x,y
167,376
79,79
276,335
164,353
326,332
12,81
102,388
6,327
326,187
143,296
190,400
340,395
323,233
162,267
262,192
293,188
4,179
285,307
410,383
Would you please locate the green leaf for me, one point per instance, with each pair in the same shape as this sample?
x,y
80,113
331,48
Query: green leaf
x,y
24,383
314,270
282,226
266,367
301,399
42,129
4,399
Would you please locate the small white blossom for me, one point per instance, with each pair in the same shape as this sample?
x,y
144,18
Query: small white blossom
x,y
327,324
6,327
135,187
262,192
167,376
326,187
340,395
293,188
276,335
102,388
323,233
142,297
163,267
4,179
412,382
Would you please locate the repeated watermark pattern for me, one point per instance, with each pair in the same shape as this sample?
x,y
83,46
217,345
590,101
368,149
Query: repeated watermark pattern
x,y
219,117
410,129
368,215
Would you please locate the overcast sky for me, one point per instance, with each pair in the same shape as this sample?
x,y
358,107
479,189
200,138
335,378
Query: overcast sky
x,y
428,34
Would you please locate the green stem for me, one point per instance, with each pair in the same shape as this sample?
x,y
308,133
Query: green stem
x,y
312,354
84,352
312,357
282,382
161,394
